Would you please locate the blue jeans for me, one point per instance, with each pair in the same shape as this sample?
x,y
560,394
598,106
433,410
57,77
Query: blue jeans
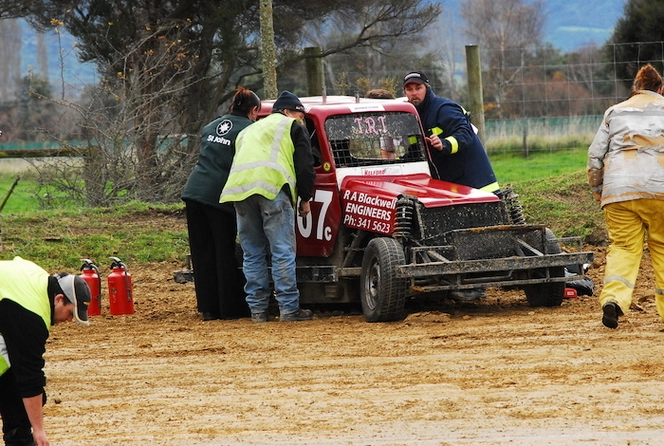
x,y
268,226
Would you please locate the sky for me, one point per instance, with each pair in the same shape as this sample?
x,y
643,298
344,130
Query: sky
x,y
571,24
62,58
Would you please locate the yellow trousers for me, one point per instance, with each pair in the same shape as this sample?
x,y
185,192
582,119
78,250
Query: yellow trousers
x,y
628,222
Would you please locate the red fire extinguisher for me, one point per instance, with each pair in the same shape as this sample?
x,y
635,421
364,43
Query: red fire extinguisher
x,y
90,274
120,289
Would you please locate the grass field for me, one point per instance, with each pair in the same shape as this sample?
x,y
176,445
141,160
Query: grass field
x,y
21,198
551,186
515,169
510,169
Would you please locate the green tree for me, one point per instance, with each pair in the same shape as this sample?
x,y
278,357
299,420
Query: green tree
x,y
636,39
11,9
35,108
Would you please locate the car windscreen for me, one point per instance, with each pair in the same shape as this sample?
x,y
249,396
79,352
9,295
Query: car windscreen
x,y
360,139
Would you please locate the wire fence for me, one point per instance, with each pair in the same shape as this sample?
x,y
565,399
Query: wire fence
x,y
535,99
531,103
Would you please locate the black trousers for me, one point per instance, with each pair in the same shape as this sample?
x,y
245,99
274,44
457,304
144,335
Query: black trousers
x,y
16,427
218,281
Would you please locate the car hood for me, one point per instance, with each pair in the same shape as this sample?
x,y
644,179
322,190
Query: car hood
x,y
430,192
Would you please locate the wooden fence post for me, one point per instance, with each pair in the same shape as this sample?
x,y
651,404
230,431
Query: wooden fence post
x,y
314,67
475,89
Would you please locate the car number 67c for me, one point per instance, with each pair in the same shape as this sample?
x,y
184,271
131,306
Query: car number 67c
x,y
305,225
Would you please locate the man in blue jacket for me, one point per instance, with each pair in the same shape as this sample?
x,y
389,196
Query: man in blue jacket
x,y
455,150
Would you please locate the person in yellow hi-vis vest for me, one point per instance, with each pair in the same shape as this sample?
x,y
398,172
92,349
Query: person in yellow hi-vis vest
x,y
273,165
31,301
626,172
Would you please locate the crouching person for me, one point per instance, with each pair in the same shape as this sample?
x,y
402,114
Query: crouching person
x,y
31,301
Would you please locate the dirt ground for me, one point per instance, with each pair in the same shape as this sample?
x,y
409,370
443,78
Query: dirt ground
x,y
492,372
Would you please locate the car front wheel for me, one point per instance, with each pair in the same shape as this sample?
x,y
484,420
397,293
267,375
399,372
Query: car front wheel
x,y
383,294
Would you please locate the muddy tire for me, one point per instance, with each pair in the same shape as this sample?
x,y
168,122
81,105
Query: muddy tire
x,y
382,293
547,294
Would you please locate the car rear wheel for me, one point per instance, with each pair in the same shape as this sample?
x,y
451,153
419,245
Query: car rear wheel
x,y
383,294
547,294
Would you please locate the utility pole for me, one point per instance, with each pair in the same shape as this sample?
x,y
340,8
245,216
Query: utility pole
x,y
269,52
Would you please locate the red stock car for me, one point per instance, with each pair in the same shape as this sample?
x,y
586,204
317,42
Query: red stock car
x,y
382,230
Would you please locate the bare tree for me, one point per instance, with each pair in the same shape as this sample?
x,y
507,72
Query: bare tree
x,y
173,63
586,68
446,47
378,37
130,123
508,31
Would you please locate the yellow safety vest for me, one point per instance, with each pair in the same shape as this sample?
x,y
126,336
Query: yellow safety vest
x,y
26,284
263,161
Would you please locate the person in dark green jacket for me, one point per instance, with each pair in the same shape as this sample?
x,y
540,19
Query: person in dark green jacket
x,y
211,225
31,301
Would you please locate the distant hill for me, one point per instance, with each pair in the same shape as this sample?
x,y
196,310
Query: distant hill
x,y
569,25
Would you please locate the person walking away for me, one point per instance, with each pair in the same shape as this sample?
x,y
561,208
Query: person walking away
x,y
272,167
455,151
627,178
218,281
31,301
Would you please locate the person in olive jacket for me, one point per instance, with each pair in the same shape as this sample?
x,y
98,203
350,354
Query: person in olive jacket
x,y
211,225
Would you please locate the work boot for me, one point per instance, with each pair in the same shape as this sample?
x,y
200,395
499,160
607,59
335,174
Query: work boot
x,y
611,311
259,317
299,315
